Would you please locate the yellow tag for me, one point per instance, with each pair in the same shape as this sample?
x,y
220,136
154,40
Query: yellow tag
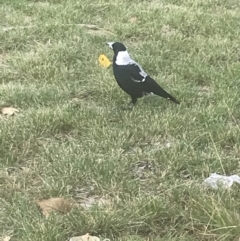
x,y
104,61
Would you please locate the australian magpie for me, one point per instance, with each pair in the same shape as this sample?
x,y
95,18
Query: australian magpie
x,y
132,78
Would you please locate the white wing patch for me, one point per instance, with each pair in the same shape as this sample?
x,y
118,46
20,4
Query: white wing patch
x,y
123,58
137,81
142,73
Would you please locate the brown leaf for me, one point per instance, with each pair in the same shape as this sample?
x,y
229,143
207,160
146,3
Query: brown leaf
x,y
204,88
94,29
90,26
5,238
2,59
133,19
99,32
167,30
54,204
9,111
85,237
25,169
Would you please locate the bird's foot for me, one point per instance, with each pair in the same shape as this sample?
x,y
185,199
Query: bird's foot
x,y
128,107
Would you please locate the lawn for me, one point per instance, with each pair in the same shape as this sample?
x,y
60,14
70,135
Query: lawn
x,y
130,175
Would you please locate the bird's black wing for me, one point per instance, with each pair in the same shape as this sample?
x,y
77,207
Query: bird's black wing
x,y
145,83
137,74
150,85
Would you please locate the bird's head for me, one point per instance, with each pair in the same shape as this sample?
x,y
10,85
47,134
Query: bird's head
x,y
116,47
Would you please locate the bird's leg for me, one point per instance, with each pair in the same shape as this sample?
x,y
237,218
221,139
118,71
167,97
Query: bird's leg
x,y
134,100
131,104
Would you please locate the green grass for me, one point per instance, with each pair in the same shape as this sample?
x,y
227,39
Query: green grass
x,y
72,139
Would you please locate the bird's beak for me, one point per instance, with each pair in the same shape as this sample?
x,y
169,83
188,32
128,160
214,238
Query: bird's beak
x,y
110,44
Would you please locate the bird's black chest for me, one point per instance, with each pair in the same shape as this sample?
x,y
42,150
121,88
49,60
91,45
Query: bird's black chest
x,y
122,75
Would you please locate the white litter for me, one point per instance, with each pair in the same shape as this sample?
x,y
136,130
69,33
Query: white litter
x,y
215,180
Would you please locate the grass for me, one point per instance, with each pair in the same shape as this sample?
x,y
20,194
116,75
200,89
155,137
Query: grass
x,y
72,139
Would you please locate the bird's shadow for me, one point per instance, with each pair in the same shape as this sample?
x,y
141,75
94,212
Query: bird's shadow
x,y
153,102
148,102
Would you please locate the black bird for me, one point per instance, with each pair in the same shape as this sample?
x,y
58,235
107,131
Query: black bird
x,y
132,78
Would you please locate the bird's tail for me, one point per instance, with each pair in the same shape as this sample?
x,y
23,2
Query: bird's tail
x,y
152,86
161,92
